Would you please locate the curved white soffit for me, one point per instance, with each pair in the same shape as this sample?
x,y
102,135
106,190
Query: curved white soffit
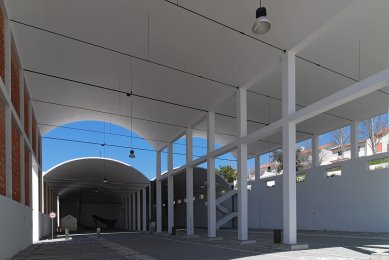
x,y
93,158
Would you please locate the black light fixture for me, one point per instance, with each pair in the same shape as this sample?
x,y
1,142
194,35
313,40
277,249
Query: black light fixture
x,y
269,169
262,24
132,154
105,180
96,190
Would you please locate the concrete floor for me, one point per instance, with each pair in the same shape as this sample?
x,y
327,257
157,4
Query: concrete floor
x,y
126,245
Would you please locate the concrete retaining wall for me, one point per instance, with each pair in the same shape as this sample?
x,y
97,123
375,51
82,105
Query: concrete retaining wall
x,y
16,228
355,201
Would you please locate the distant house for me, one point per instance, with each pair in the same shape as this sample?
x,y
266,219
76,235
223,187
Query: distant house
x,y
329,154
364,148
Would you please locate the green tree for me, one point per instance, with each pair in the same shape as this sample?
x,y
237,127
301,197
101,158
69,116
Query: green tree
x,y
278,160
228,173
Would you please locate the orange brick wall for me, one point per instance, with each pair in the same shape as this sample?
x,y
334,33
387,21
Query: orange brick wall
x,y
26,111
27,173
15,162
2,52
2,150
15,84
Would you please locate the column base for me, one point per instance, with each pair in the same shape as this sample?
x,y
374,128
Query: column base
x,y
244,242
291,247
191,236
214,238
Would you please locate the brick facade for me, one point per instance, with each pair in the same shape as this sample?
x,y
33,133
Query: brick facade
x,y
2,150
15,81
15,162
27,174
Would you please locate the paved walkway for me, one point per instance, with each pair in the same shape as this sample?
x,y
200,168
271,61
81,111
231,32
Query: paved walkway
x,y
126,245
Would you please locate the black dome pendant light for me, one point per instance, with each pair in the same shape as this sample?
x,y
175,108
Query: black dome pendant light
x,y
262,24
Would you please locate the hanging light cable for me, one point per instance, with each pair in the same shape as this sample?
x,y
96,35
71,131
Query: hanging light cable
x,y
268,118
105,178
132,153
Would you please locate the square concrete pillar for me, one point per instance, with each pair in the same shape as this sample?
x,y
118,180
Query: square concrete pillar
x,y
170,192
289,151
158,193
144,210
189,184
211,178
138,220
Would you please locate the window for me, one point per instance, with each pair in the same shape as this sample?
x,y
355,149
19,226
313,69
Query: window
x,y
300,177
334,172
304,155
374,134
378,164
271,183
335,146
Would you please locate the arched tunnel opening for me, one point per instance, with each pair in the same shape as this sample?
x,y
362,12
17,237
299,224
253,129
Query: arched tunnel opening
x,y
94,192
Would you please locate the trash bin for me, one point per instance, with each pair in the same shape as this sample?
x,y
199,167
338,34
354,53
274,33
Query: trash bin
x,y
277,236
174,231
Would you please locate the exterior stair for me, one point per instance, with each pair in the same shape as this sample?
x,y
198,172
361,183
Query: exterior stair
x,y
228,214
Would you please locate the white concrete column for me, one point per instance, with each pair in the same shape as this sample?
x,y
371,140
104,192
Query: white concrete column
x,y
315,151
150,201
35,201
129,207
289,146
159,193
58,212
125,211
29,134
189,184
8,150
7,54
133,212
21,96
144,209
30,177
211,178
242,165
354,140
22,171
138,223
170,189
257,167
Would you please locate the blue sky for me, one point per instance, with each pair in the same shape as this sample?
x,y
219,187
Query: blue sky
x,y
93,134
97,133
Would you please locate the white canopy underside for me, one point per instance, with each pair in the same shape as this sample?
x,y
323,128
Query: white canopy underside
x,y
161,32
